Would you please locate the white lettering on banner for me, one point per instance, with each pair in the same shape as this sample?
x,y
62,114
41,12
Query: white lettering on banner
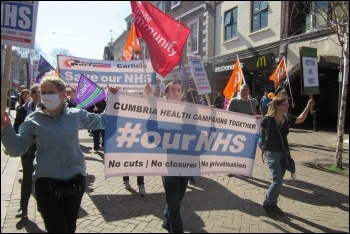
x,y
82,91
130,135
15,16
137,78
70,77
168,45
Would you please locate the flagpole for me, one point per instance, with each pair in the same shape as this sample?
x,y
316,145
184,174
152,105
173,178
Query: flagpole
x,y
290,89
249,99
6,81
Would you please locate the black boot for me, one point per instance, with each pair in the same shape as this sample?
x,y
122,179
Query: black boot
x,y
21,213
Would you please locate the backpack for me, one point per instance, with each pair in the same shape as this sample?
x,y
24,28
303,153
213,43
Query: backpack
x,y
263,103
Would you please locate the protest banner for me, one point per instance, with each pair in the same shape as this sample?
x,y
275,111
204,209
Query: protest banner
x,y
18,23
146,135
126,75
199,74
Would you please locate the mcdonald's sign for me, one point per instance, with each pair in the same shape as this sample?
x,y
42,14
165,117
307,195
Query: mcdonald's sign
x,y
261,61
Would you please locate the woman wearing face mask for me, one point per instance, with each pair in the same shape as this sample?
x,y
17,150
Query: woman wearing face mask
x,y
59,164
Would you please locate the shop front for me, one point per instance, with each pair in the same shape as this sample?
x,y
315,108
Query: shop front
x,y
256,70
327,101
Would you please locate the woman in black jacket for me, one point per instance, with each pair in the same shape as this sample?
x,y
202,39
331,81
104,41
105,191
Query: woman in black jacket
x,y
27,158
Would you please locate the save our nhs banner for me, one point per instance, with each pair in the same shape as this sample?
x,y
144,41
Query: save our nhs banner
x,y
146,135
126,75
18,23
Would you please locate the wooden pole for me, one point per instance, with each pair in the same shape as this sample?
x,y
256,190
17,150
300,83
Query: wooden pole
x,y
6,80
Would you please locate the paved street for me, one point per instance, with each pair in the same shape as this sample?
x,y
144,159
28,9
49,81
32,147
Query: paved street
x,y
317,201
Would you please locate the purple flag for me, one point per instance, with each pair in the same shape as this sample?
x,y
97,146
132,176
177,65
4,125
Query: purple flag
x,y
88,93
43,67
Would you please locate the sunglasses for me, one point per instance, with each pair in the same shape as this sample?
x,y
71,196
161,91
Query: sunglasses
x,y
35,92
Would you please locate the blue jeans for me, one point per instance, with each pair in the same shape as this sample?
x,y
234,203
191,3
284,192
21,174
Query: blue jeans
x,y
277,166
175,188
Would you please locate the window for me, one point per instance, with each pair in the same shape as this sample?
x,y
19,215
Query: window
x,y
159,5
318,14
260,15
192,42
230,24
174,4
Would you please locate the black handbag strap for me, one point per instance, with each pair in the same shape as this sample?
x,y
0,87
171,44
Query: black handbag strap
x,y
286,153
278,128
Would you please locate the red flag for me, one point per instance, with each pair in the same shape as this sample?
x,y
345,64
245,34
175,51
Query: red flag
x,y
279,74
132,46
165,37
235,81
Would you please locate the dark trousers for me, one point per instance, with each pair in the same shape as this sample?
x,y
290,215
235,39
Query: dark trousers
x,y
59,214
140,179
27,181
175,188
96,134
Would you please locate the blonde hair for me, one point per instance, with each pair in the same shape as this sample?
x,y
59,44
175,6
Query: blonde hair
x,y
53,78
276,101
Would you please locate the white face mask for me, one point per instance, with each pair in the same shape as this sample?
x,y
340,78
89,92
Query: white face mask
x,y
51,101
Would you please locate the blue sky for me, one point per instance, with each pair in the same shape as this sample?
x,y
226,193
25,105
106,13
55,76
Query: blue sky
x,y
83,28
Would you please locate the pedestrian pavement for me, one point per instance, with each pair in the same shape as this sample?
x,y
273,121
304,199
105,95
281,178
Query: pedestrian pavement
x,y
317,201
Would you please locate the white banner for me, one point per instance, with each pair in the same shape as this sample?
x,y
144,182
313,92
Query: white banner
x,y
18,23
154,136
126,75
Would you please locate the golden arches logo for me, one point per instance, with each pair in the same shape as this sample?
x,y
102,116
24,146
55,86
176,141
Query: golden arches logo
x,y
261,61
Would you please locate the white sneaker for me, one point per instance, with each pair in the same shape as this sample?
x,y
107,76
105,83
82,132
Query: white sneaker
x,y
142,191
127,185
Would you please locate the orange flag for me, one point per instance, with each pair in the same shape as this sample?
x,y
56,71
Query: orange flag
x,y
132,48
279,74
235,81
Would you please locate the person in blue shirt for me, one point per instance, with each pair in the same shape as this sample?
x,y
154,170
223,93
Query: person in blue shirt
x,y
59,163
264,103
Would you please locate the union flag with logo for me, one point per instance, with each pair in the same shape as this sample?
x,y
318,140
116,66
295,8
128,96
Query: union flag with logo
x,y
164,36
279,74
132,50
235,81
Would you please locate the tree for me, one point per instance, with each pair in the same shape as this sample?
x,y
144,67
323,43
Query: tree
x,y
55,52
332,16
33,53
336,15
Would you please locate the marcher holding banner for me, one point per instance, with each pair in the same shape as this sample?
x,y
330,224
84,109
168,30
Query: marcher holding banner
x,y
59,165
174,186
